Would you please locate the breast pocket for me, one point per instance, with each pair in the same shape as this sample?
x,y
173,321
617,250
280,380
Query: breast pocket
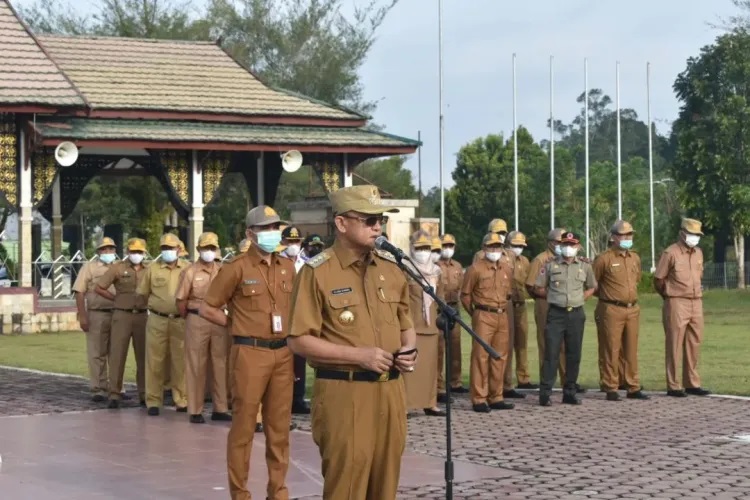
x,y
345,310
256,298
160,281
486,283
389,299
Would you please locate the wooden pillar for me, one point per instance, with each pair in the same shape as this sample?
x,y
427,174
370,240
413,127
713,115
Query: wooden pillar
x,y
196,205
57,230
261,187
25,214
348,177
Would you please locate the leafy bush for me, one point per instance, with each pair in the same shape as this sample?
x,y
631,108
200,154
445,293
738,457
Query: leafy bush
x,y
646,285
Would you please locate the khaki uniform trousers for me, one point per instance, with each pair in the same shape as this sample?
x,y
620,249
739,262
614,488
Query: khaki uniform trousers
x,y
97,350
518,346
683,328
360,430
540,317
165,336
486,375
127,326
205,346
617,331
455,381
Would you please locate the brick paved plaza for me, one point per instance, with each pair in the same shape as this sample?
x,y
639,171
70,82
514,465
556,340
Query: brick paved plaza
x,y
53,446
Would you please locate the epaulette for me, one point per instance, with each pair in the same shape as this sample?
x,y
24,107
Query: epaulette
x,y
385,255
318,259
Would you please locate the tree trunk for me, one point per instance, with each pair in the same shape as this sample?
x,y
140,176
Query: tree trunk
x,y
739,249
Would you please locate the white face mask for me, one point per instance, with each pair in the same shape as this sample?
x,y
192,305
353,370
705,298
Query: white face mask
x,y
502,238
422,256
135,258
292,250
493,256
208,256
692,240
447,253
434,257
558,250
569,251
517,250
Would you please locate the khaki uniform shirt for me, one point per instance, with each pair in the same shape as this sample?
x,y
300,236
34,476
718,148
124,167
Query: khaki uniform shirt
x,y
520,275
618,272
681,268
159,286
347,301
124,278
194,282
86,283
451,279
565,282
536,266
488,284
254,290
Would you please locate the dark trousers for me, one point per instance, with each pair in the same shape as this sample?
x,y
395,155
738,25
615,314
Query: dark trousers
x,y
562,326
300,366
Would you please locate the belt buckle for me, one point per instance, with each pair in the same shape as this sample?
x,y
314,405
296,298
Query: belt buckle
x,y
384,377
569,308
134,311
172,316
630,305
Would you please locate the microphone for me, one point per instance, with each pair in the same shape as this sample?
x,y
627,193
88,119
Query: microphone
x,y
382,243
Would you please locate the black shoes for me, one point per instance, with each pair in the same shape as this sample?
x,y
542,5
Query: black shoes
x,y
613,396
181,409
513,394
528,385
481,408
697,391
153,411
98,398
113,404
676,393
502,405
434,413
222,417
544,400
442,398
571,400
197,419
460,390
638,395
580,390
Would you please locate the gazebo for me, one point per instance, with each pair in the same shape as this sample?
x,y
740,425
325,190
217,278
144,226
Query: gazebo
x,y
184,112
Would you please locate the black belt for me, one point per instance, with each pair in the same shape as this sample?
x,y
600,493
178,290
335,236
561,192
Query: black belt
x,y
132,311
565,309
619,304
266,344
165,315
102,310
353,376
497,310
194,311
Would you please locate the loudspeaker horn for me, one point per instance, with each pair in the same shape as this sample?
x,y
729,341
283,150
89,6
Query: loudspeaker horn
x,y
66,154
291,161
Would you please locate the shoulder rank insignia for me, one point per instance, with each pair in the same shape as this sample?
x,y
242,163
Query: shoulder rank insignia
x,y
318,259
385,255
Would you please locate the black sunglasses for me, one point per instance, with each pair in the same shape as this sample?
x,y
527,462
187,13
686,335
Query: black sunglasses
x,y
369,221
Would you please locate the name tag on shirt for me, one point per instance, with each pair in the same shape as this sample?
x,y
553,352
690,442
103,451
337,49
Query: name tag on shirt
x,y
615,265
250,282
276,323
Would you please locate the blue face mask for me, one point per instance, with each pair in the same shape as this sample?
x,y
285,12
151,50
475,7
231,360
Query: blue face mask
x,y
169,256
269,240
626,244
107,258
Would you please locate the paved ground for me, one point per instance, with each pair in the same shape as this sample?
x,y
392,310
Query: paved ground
x,y
663,448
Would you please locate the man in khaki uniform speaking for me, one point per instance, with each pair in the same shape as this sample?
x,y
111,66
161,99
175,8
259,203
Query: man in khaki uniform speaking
x,y
351,320
204,341
256,287
165,329
95,317
128,319
678,280
451,278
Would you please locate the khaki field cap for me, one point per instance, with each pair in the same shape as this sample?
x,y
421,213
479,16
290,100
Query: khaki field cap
x,y
420,239
692,226
262,215
169,240
497,225
517,238
448,239
437,244
622,227
208,240
183,251
362,199
136,245
555,234
106,242
491,239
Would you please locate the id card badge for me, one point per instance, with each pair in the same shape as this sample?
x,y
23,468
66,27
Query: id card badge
x,y
276,323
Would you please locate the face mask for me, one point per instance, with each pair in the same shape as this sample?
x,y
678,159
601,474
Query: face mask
x,y
208,256
107,258
568,251
313,251
434,257
692,240
422,256
135,258
269,240
502,238
447,253
492,256
558,250
517,250
626,244
169,256
292,250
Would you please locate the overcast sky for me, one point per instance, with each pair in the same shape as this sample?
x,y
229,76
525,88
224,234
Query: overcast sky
x,y
479,38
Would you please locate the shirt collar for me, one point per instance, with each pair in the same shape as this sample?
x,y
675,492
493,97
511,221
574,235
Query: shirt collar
x,y
348,257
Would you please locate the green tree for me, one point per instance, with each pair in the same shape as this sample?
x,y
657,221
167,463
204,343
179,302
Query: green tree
x,y
389,175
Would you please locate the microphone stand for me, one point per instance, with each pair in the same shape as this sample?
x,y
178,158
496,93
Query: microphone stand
x,y
447,319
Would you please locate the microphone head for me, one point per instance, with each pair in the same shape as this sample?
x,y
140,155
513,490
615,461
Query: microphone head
x,y
379,242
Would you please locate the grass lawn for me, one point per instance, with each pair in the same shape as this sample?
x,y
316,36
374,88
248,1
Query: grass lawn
x,y
723,366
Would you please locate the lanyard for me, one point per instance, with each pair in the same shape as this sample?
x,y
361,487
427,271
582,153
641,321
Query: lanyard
x,y
271,268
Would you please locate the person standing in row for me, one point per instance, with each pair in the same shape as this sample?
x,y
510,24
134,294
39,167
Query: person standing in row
x,y
500,228
618,272
678,280
451,279
421,384
292,241
257,287
165,328
95,317
205,342
517,243
566,282
484,295
350,319
128,319
312,245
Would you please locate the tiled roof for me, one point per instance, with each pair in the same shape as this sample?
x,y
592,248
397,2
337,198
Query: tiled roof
x,y
163,75
177,131
27,75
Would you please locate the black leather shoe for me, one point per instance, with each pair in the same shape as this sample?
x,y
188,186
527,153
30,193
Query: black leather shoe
x,y
434,413
124,396
580,389
637,395
98,398
502,405
544,401
222,417
300,408
197,419
676,394
460,390
613,396
443,398
528,386
292,426
153,411
142,403
258,427
481,408
571,400
697,391
113,404
513,394
181,409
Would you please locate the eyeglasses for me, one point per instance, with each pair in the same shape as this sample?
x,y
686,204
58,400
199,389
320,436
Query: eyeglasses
x,y
369,221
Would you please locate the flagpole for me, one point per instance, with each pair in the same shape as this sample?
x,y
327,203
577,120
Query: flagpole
x,y
440,99
419,170
551,144
650,165
515,146
586,143
619,147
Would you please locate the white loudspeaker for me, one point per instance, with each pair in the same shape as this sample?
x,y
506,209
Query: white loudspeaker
x,y
66,154
291,161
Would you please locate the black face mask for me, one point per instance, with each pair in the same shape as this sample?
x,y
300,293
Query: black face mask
x,y
313,251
